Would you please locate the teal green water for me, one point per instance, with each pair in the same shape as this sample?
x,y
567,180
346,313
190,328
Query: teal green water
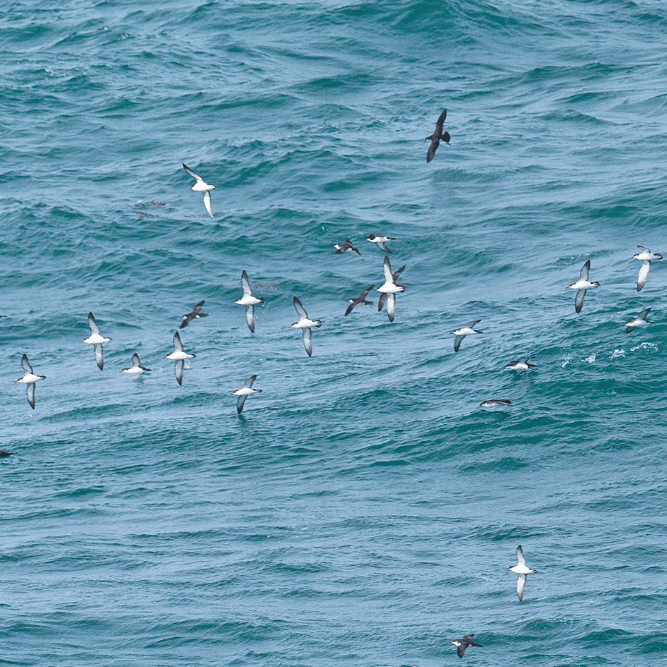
x,y
363,509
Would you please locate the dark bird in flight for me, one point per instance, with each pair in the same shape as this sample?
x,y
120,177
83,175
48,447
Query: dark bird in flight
x,y
194,314
437,136
463,643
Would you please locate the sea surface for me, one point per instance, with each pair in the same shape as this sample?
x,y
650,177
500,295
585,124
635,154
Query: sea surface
x,y
363,510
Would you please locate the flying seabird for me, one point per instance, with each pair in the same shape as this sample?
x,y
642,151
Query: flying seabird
x,y
305,325
244,392
495,403
521,364
462,332
96,339
360,299
201,186
437,136
136,368
645,257
3,454
522,570
582,285
249,301
194,314
29,378
389,289
344,247
463,643
179,356
639,321
380,241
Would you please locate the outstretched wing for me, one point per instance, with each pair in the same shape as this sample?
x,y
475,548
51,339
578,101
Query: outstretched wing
x,y
457,343
519,555
197,309
440,122
192,173
177,342
250,317
26,364
308,341
579,300
364,294
585,270
135,360
300,310
473,323
520,583
99,355
643,274
644,313
207,202
178,371
397,273
245,284
435,142
387,270
461,649
30,393
240,402
249,381
391,306
93,324
381,300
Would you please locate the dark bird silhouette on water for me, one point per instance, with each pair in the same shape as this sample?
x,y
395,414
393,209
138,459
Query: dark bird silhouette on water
x,y
437,136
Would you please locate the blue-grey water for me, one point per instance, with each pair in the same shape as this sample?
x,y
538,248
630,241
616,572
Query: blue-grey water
x,y
363,510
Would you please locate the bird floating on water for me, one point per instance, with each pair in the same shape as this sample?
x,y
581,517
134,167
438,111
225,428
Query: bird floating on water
x,y
582,285
136,368
29,378
521,364
437,136
96,339
645,257
202,186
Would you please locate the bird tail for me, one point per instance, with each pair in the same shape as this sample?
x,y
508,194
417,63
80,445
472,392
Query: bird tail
x,y
473,644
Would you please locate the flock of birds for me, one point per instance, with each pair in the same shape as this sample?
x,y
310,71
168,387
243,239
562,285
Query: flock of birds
x,y
387,291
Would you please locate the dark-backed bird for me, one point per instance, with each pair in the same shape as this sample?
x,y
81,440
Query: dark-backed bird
x,y
136,368
521,364
463,643
437,136
360,299
344,247
194,314
380,241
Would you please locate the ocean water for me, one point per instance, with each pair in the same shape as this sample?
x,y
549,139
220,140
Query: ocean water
x,y
363,510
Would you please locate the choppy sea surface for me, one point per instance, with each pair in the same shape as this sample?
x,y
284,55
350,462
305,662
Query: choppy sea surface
x,y
363,510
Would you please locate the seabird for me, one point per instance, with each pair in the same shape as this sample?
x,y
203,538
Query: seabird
x,y
344,247
463,643
96,339
645,257
389,289
3,454
29,378
582,285
495,403
305,324
179,356
244,392
462,332
437,136
522,570
249,301
201,186
360,299
380,241
521,364
136,368
194,314
639,321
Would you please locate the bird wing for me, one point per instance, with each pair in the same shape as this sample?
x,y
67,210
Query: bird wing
x,y
177,342
240,402
579,300
381,300
461,649
364,294
192,173
629,329
382,245
135,360
643,248
30,393
519,555
99,355
643,274
457,343
26,364
249,381
350,308
520,583
308,341
197,309
387,270
397,273
441,121
300,310
207,202
435,142
644,313
473,323
391,306
178,371
93,324
585,270
250,317
245,284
